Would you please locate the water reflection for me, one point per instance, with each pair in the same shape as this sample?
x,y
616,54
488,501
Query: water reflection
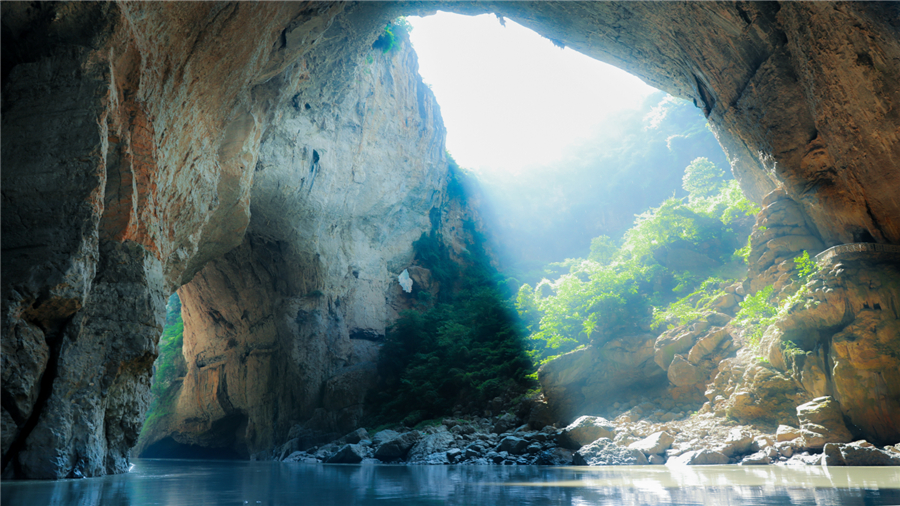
x,y
174,483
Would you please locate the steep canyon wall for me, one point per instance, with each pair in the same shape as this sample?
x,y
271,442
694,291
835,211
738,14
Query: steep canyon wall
x,y
284,329
144,143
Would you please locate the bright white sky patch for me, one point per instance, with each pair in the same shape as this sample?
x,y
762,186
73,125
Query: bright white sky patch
x,y
510,98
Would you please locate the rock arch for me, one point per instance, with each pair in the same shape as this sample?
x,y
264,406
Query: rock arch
x,y
132,134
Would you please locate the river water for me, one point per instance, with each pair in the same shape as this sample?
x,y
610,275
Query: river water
x,y
193,483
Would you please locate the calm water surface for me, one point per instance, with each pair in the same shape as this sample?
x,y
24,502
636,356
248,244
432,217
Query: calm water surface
x,y
192,483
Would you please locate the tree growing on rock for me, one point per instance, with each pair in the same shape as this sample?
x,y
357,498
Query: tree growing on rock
x,y
702,178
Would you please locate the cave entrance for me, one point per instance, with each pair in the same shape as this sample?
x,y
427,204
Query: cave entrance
x,y
558,163
168,375
564,148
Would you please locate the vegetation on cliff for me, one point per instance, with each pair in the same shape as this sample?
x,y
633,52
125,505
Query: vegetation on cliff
x,y
457,349
458,353
470,346
676,256
169,367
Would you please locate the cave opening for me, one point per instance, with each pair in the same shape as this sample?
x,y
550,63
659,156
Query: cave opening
x,y
559,170
199,108
562,148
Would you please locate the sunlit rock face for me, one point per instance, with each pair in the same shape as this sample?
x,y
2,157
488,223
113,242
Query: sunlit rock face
x,y
782,233
849,328
133,131
284,329
590,379
841,339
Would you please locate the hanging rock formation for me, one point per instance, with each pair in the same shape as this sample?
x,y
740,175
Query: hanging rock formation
x,y
133,133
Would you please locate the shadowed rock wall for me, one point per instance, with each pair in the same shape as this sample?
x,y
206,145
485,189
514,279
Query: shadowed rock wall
x,y
284,329
131,132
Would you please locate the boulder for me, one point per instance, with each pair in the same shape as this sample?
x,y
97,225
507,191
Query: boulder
x,y
585,430
383,436
356,436
822,422
737,443
654,444
396,448
289,448
429,444
785,448
460,430
301,457
555,457
757,459
348,454
856,454
454,455
505,423
667,345
325,452
656,460
513,445
786,433
804,459
534,448
718,341
603,452
475,450
698,458
682,373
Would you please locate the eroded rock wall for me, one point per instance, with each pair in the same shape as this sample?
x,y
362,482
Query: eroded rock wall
x,y
130,136
132,131
284,329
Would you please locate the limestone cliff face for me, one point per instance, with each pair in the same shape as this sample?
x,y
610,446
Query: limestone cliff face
x,y
840,340
113,155
284,329
133,131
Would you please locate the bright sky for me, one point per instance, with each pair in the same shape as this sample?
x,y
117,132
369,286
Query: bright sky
x,y
510,98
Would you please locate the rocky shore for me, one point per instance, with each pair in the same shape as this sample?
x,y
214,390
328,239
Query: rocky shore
x,y
695,439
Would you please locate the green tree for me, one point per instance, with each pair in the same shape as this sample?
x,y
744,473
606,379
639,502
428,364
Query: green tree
x,y
603,249
702,178
527,307
466,349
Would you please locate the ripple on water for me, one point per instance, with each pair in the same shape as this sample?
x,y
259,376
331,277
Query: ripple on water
x,y
175,483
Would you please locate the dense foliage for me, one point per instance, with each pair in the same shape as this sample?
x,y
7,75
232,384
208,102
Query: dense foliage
x,y
670,251
462,351
169,365
702,178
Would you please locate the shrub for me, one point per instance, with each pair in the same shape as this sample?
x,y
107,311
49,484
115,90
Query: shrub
x,y
690,307
806,267
756,314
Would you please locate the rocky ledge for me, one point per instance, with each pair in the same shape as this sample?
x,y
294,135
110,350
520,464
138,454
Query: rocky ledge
x,y
702,439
